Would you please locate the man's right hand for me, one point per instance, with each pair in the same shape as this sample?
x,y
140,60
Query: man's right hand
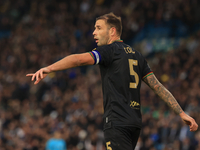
x,y
39,75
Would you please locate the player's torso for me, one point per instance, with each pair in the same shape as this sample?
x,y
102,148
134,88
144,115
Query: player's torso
x,y
121,82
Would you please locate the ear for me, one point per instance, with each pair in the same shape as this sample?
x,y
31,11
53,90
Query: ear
x,y
113,31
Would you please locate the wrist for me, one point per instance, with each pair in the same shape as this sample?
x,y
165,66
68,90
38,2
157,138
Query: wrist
x,y
49,70
182,114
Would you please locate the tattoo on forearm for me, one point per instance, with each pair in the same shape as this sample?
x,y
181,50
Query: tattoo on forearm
x,y
163,93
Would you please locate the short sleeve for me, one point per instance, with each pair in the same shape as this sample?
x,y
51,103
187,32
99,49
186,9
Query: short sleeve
x,y
146,70
102,55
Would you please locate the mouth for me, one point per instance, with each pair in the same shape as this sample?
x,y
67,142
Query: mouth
x,y
96,40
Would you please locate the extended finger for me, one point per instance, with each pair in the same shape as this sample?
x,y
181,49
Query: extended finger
x,y
33,77
36,82
30,74
37,76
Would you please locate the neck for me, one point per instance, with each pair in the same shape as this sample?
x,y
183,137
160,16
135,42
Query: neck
x,y
113,40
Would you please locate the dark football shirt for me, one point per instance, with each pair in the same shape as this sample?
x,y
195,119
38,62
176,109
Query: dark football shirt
x,y
122,69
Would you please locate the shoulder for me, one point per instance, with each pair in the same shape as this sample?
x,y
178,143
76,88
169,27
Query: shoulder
x,y
138,53
104,47
118,45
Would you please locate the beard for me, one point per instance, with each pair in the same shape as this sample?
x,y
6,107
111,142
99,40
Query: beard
x,y
103,41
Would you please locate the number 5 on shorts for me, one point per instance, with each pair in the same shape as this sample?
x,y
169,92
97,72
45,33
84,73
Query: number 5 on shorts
x,y
107,146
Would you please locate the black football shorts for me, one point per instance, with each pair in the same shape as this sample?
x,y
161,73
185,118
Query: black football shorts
x,y
121,138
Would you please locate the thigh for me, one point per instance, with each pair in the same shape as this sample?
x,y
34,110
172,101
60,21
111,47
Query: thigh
x,y
121,138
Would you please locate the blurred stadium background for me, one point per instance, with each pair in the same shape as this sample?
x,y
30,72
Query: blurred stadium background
x,y
36,33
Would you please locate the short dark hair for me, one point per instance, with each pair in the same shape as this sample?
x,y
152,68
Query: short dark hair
x,y
112,20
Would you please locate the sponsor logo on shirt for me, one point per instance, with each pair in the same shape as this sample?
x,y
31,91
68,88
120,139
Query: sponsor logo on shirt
x,y
134,105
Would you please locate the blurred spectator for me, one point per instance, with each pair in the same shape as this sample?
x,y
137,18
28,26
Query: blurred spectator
x,y
56,142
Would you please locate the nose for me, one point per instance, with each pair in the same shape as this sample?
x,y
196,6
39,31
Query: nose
x,y
94,32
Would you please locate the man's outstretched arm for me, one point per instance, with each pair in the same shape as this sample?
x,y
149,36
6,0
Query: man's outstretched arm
x,y
67,62
169,99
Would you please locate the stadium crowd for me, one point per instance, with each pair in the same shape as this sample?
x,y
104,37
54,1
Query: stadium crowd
x,y
37,33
